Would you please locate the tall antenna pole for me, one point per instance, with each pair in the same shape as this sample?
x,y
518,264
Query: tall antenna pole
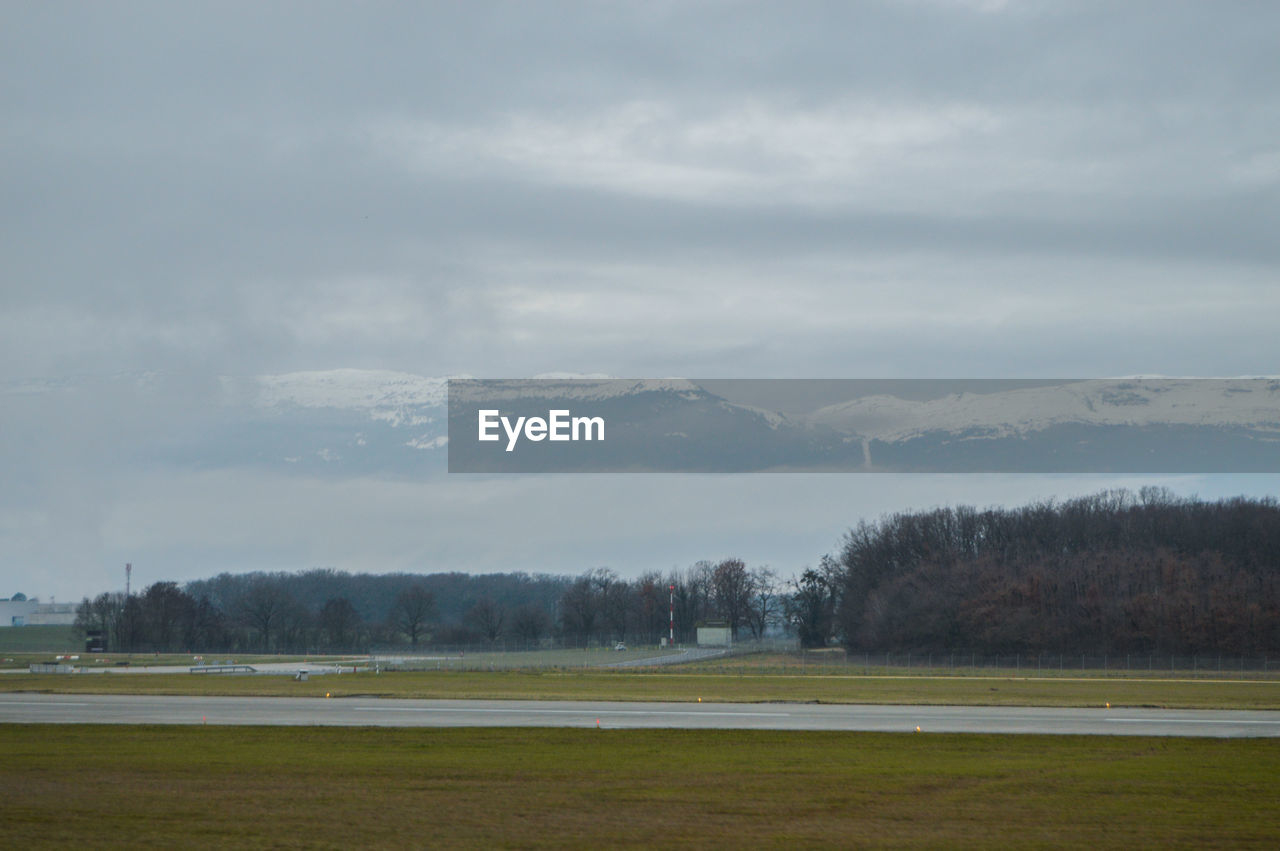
x,y
128,575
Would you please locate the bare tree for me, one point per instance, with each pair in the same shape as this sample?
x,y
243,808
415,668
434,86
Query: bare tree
x,y
102,615
529,623
731,590
652,606
295,629
618,604
692,598
580,609
262,608
764,604
340,622
413,610
591,605
207,629
487,617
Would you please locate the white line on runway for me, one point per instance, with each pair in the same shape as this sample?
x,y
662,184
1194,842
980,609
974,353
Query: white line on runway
x,y
1185,721
600,712
50,704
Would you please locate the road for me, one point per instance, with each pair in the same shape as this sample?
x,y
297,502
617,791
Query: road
x,y
289,668
680,657
148,709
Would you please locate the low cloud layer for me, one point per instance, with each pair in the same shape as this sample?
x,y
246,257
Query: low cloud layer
x,y
734,189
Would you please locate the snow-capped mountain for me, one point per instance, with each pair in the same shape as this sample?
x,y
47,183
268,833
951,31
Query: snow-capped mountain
x,y
1239,403
1122,425
574,388
390,421
398,398
352,422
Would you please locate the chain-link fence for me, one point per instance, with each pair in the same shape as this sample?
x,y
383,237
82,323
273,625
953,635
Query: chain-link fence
x,y
783,655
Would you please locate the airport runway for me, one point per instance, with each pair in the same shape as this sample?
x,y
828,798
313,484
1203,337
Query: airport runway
x,y
364,712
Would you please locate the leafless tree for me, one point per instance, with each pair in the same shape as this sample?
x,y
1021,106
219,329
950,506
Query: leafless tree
x,y
764,605
529,623
339,622
488,617
731,591
414,608
262,608
580,609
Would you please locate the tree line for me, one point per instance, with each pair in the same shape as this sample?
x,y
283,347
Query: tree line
x,y
1115,572
333,611
322,611
601,607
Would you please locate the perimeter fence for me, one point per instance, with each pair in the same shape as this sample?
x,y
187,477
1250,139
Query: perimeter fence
x,y
556,656
784,656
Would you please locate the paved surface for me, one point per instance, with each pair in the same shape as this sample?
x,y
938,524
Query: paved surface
x,y
677,658
146,709
289,668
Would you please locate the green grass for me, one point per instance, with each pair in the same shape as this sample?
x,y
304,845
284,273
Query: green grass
x,y
835,662
103,786
623,686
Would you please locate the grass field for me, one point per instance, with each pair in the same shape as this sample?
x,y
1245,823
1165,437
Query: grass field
x,y
1054,666
86,786
622,685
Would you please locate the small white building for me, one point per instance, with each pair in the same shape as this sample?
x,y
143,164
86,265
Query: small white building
x,y
714,636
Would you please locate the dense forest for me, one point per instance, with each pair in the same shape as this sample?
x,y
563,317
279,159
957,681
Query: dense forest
x,y
1115,572
1110,573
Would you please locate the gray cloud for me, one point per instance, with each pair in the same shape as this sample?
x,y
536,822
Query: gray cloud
x,y
920,188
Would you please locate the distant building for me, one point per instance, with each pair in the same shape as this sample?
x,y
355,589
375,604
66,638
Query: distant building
x,y
714,634
26,612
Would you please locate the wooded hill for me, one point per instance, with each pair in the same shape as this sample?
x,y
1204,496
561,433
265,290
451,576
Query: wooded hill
x,y
1115,572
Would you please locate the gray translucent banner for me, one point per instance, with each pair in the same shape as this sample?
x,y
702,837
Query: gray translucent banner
x,y
1137,425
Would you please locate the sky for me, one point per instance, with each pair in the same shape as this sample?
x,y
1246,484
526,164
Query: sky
x,y
913,189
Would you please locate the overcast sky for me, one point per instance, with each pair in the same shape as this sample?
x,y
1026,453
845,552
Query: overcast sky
x,y
719,189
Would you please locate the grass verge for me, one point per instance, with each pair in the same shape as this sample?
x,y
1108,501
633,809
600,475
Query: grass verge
x,y
1052,666
653,686
89,786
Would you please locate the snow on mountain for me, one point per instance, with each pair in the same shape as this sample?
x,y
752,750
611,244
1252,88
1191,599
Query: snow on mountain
x,y
382,390
772,419
327,415
1247,403
575,388
398,398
